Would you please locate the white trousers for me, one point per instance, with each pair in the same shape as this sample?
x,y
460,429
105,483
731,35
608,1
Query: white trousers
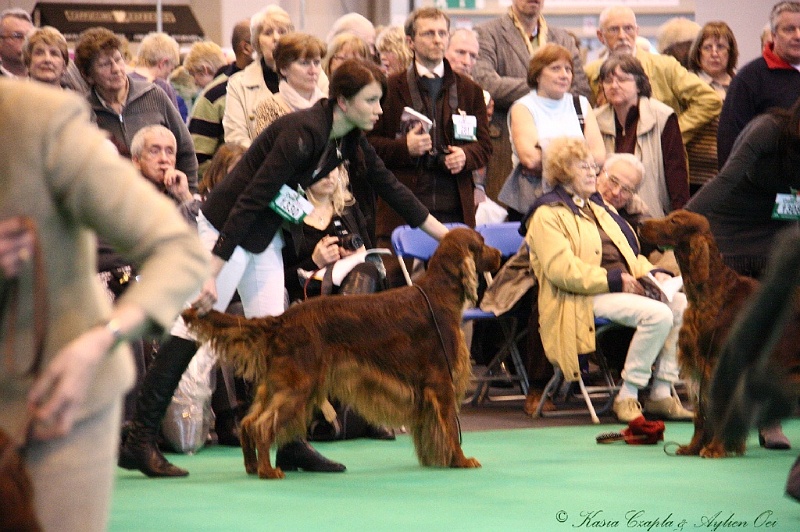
x,y
257,276
655,342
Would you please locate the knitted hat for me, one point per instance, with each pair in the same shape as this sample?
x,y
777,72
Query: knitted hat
x,y
676,30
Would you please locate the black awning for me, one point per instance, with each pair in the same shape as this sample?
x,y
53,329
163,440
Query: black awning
x,y
133,21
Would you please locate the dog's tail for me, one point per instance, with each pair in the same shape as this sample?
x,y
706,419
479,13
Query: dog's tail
x,y
241,341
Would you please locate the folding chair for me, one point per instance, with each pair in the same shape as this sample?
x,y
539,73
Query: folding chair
x,y
414,243
560,391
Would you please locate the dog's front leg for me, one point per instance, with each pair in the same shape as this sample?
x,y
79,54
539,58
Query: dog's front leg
x,y
249,446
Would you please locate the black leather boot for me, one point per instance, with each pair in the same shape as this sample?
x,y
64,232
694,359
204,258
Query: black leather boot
x,y
140,449
379,432
300,455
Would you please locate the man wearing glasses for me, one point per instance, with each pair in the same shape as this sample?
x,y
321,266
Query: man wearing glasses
x,y
693,100
15,24
433,155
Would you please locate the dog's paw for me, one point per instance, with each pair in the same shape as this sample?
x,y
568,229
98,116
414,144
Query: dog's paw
x,y
687,450
271,473
467,463
713,451
251,469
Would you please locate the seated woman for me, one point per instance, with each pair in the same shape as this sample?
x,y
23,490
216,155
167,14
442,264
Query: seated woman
x,y
634,122
547,112
587,261
316,243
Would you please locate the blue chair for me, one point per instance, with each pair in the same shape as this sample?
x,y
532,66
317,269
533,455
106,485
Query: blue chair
x,y
414,243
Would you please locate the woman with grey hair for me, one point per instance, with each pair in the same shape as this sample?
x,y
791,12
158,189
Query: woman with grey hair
x,y
259,79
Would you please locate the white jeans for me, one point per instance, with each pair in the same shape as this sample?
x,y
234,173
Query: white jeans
x,y
655,342
257,276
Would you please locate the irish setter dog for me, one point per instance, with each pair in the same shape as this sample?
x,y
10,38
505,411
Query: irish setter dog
x,y
398,357
716,295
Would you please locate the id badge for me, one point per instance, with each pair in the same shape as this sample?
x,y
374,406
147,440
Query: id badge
x,y
465,127
291,205
787,207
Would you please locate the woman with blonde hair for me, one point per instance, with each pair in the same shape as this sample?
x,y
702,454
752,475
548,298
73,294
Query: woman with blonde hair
x,y
203,61
45,55
577,283
395,55
257,80
343,47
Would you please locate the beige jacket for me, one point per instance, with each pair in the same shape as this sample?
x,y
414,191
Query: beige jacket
x,y
692,99
58,168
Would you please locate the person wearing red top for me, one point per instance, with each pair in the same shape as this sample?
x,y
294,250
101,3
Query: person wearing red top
x,y
772,80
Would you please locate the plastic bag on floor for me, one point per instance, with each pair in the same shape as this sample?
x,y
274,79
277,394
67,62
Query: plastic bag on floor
x,y
189,416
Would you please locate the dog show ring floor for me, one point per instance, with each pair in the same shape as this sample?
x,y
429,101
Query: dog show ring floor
x,y
540,475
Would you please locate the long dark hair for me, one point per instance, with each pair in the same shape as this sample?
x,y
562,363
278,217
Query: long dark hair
x,y
352,76
789,138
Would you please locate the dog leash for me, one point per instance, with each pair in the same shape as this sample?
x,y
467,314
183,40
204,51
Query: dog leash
x,y
444,350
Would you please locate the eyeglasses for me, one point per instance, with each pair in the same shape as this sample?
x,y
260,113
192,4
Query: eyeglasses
x,y
108,63
15,36
630,29
625,189
586,167
619,80
430,34
708,48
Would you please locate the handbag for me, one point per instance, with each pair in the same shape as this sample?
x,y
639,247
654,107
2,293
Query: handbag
x,y
16,488
520,189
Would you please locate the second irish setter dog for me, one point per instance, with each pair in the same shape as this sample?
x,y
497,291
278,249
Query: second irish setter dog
x,y
716,294
398,357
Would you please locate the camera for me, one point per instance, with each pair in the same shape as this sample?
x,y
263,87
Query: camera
x,y
435,160
347,240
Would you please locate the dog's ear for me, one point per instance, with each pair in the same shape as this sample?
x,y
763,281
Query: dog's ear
x,y
469,278
699,260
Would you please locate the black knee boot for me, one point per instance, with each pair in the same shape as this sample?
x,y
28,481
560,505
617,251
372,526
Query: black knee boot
x,y
140,450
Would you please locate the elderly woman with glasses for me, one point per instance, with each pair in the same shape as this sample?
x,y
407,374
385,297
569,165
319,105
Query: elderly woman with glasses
x,y
123,105
587,261
713,57
633,122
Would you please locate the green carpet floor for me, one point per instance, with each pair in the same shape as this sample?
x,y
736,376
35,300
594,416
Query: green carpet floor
x,y
543,479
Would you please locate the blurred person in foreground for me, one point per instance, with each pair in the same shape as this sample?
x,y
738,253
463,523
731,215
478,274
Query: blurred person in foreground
x,y
70,190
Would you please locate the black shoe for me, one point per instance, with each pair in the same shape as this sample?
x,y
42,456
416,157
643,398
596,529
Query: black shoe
x,y
300,455
147,458
379,432
227,428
